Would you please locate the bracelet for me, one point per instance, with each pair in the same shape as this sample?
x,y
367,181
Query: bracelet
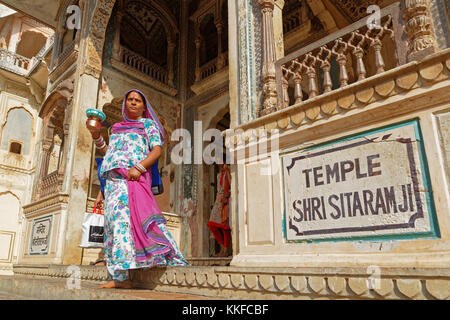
x,y
140,167
101,146
99,139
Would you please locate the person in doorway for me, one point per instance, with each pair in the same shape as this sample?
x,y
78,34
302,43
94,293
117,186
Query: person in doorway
x,y
219,221
136,235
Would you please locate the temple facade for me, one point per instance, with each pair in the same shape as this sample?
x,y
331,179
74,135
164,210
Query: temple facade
x,y
334,115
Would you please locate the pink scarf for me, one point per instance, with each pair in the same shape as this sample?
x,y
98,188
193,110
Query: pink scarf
x,y
149,240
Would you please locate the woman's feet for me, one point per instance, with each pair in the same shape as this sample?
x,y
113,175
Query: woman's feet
x,y
117,284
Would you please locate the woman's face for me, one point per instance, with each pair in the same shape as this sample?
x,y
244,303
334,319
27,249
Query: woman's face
x,y
135,106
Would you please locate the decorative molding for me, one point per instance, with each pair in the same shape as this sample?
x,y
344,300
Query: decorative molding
x,y
275,283
54,201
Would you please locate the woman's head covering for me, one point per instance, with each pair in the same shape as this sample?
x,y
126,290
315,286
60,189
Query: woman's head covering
x,y
149,113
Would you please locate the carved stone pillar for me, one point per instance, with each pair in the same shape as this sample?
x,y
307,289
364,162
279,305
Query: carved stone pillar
x,y
268,69
66,126
220,57
116,42
419,28
45,158
198,43
170,66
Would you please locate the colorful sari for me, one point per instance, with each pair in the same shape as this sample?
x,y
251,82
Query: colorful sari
x,y
136,235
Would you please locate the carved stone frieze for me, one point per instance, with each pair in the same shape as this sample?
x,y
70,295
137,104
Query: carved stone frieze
x,y
274,283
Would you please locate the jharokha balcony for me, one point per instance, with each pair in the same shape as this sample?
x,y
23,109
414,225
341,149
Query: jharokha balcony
x,y
349,72
14,62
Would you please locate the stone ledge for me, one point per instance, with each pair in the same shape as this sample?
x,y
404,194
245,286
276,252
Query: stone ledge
x,y
275,283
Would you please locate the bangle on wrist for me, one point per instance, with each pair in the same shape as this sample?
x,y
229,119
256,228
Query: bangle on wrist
x,y
140,168
99,139
101,146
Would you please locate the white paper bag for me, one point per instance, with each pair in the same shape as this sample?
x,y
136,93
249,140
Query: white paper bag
x,y
92,230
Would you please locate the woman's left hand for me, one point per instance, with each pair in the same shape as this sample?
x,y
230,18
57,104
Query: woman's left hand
x,y
133,174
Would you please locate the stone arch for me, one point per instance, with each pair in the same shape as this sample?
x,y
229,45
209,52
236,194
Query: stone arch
x,y
209,35
30,43
96,36
62,95
208,191
215,120
99,21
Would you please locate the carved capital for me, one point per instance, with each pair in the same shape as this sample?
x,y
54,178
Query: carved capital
x,y
266,5
419,28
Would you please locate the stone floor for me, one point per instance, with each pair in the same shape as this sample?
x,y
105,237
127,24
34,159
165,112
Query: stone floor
x,y
44,288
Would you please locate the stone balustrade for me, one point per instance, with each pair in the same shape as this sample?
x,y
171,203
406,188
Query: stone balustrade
x,y
358,97
208,69
143,65
348,53
14,62
50,184
213,66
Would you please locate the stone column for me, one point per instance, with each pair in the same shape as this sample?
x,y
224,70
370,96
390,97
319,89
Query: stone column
x,y
66,126
268,69
220,57
419,29
116,42
278,28
198,43
170,52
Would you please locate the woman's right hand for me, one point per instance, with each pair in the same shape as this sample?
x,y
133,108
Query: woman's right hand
x,y
95,132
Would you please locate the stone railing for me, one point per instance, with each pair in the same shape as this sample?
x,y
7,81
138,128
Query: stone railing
x,y
14,62
208,69
213,66
352,54
143,65
66,52
50,184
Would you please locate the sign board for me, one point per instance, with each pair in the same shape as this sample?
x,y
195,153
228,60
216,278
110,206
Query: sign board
x,y
372,185
40,235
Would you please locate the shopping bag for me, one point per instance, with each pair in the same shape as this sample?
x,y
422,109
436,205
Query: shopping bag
x,y
92,229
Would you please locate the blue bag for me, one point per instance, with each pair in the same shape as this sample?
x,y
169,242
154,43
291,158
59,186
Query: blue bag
x,y
157,186
102,181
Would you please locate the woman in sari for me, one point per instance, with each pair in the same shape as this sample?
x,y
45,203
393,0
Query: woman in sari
x,y
219,221
136,235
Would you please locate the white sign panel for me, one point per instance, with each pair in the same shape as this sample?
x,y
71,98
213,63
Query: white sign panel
x,y
40,235
366,186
